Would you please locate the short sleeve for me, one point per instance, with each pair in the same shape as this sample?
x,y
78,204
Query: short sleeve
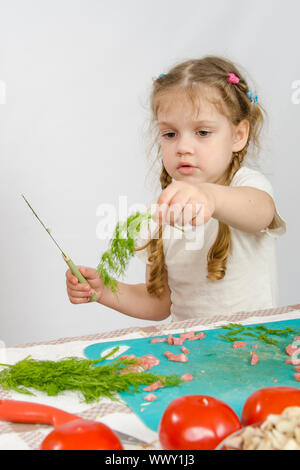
x,y
248,177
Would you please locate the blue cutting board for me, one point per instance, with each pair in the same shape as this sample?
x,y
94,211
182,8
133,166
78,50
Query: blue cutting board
x,y
218,369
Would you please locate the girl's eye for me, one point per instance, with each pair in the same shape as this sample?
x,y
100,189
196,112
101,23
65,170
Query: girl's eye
x,y
169,135
203,133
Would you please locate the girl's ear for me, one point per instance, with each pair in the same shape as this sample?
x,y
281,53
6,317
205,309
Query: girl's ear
x,y
241,134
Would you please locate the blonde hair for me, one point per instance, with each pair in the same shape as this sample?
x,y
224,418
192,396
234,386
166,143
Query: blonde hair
x,y
236,106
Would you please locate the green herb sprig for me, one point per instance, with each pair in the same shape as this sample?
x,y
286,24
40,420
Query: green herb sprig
x,y
115,260
78,375
260,332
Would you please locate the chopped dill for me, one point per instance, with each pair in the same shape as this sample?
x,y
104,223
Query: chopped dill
x,y
248,333
266,339
78,375
260,332
229,338
234,332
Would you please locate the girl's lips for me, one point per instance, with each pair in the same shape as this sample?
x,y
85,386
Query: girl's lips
x,y
187,170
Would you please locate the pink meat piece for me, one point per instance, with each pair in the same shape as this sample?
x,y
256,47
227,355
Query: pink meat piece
x,y
297,377
148,361
239,344
150,397
297,351
130,369
293,360
297,369
198,336
145,364
158,340
297,338
170,339
187,335
176,357
184,350
254,359
130,356
168,354
291,350
141,364
178,341
151,359
255,346
179,358
154,386
187,377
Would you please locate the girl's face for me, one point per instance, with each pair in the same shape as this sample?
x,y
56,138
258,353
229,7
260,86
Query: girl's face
x,y
197,146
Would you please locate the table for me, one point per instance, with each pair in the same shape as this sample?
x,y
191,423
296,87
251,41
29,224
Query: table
x,y
16,436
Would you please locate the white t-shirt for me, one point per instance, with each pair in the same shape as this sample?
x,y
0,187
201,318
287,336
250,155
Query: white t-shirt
x,y
250,282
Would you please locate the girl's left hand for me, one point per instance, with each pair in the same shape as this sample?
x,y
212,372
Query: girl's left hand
x,y
182,203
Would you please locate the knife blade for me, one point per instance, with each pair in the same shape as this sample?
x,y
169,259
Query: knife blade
x,y
66,258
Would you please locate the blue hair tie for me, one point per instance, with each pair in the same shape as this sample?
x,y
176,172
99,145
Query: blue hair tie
x,y
253,98
161,75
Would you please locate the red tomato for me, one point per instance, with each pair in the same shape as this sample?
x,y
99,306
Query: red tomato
x,y
196,422
272,400
82,434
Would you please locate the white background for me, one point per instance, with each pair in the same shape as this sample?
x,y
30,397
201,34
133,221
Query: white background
x,y
77,75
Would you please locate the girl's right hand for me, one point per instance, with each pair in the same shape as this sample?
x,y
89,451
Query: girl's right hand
x,y
80,293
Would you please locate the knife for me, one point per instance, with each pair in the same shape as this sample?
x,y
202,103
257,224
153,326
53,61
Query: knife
x,y
66,258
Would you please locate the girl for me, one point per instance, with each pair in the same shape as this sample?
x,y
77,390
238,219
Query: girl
x,y
207,120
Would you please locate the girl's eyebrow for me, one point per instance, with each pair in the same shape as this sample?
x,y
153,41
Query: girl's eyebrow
x,y
208,123
197,123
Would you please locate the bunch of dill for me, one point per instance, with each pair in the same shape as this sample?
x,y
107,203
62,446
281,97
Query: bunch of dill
x,y
115,260
77,375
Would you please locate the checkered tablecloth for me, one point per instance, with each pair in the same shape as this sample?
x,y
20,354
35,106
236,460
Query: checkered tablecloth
x,y
115,414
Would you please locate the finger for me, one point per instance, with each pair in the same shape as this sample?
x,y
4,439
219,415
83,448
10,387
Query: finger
x,y
194,213
76,301
71,278
188,214
176,209
199,218
75,297
167,194
173,214
89,273
164,201
82,289
160,214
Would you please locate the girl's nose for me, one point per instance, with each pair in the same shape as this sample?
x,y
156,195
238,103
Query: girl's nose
x,y
184,146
